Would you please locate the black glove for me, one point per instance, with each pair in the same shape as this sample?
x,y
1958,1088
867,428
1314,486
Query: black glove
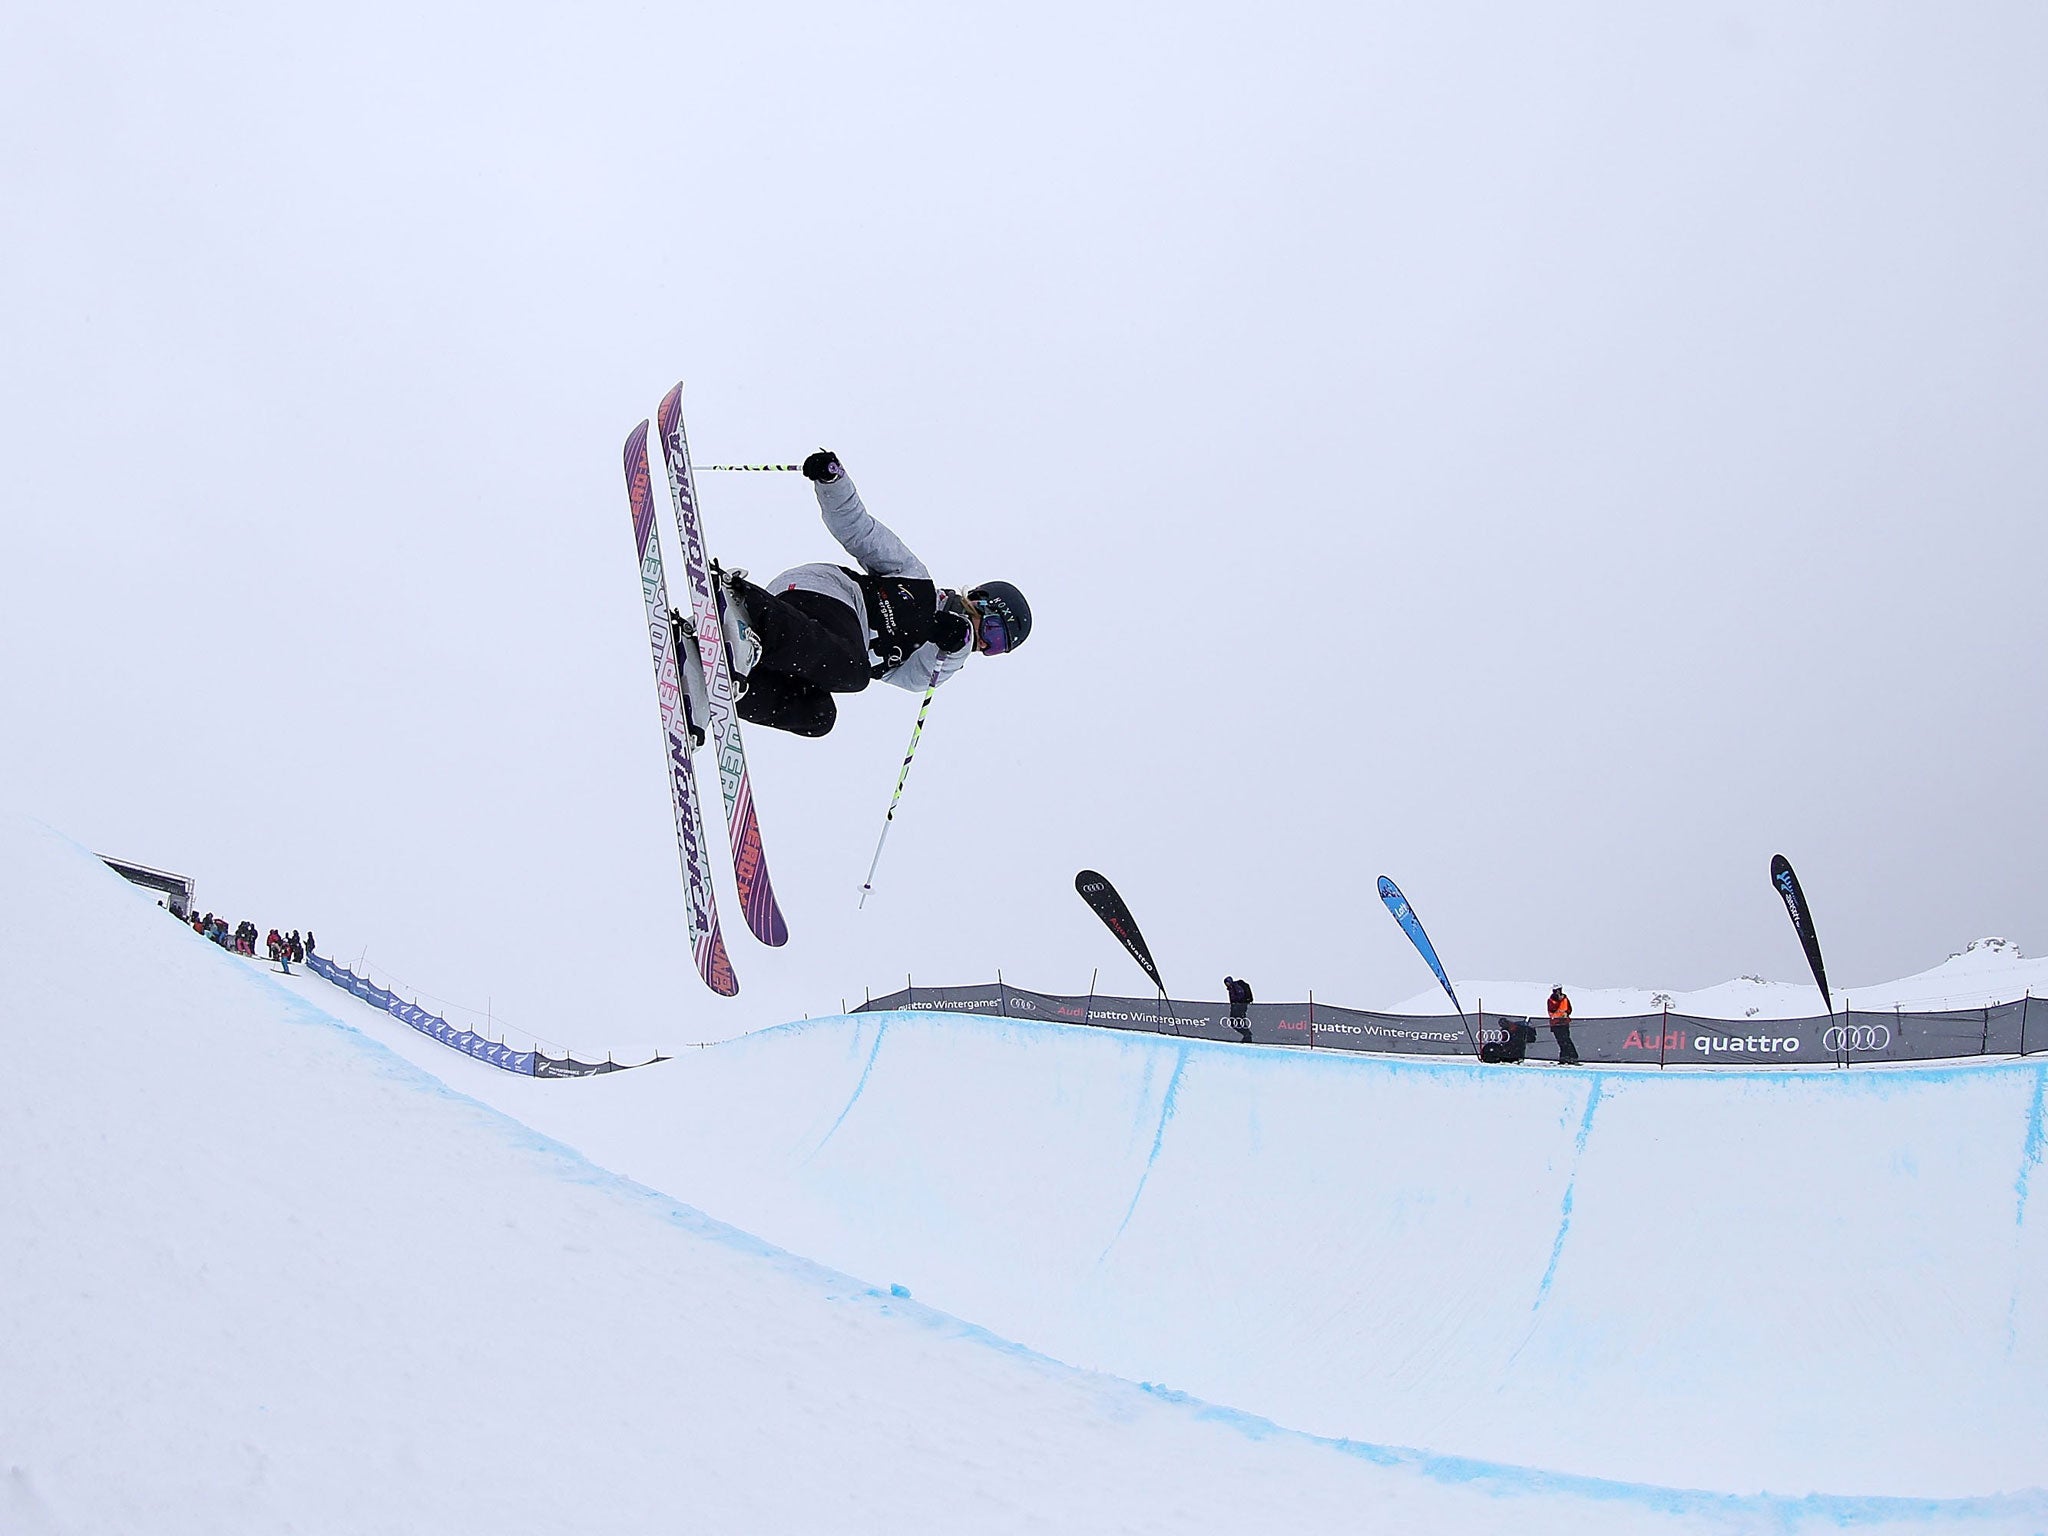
x,y
823,467
951,631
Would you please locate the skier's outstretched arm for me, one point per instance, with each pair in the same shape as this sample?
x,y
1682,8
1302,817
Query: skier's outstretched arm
x,y
927,667
863,535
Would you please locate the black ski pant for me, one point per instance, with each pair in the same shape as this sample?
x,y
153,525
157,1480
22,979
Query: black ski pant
x,y
812,646
1566,1051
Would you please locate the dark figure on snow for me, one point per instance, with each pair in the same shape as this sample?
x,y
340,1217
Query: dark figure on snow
x,y
1512,1044
817,630
1561,1026
1239,992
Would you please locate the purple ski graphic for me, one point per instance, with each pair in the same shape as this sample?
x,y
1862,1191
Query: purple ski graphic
x,y
743,828
705,940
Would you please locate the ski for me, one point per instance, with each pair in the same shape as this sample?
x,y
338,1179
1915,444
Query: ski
x,y
705,940
743,828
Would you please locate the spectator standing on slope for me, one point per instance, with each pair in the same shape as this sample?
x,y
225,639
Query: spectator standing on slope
x,y
1561,1026
1240,995
1239,992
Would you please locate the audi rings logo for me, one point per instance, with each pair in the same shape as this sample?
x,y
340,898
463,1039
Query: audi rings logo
x,y
1856,1037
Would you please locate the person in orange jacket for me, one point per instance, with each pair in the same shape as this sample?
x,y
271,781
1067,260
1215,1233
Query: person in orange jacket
x,y
1561,1026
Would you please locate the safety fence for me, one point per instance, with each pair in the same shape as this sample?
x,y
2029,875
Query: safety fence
x,y
1651,1039
469,1042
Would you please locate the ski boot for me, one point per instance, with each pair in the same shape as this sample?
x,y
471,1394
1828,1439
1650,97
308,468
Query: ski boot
x,y
696,697
742,642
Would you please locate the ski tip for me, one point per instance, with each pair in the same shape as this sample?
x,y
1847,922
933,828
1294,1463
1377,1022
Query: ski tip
x,y
715,965
764,914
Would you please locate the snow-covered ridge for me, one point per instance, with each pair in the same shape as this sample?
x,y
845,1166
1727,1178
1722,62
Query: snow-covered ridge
x,y
1983,973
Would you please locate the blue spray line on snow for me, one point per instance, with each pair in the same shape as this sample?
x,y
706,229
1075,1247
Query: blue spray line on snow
x,y
2036,1145
2032,1151
1166,1107
1748,1511
1564,1219
858,1089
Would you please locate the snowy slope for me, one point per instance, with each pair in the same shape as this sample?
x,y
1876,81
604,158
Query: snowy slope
x,y
1723,1279
262,1274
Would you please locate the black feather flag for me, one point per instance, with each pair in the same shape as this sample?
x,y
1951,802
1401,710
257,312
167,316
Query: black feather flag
x,y
1116,917
1786,884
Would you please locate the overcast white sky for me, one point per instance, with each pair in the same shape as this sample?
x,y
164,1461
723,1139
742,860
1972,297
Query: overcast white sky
x,y
1557,456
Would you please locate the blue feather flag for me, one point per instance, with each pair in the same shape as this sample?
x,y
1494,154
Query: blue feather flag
x,y
1411,925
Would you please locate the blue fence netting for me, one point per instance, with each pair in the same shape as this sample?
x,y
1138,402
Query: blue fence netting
x,y
494,1052
1651,1039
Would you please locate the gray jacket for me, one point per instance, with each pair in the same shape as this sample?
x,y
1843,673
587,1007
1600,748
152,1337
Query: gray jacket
x,y
876,550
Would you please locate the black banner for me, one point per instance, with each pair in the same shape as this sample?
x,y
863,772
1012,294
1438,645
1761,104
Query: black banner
x,y
1786,884
1651,1039
1116,917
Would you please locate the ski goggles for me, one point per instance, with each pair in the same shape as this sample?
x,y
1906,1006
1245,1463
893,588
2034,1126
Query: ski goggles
x,y
995,625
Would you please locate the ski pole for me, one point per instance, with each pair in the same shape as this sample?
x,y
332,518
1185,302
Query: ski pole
x,y
901,778
750,468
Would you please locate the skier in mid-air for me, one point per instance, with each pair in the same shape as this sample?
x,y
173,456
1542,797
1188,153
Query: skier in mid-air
x,y
817,630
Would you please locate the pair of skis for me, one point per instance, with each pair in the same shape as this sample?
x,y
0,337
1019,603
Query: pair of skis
x,y
743,830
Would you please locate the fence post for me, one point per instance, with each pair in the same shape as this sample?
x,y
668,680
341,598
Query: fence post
x,y
1664,1037
1088,1008
1312,1021
1985,1044
2023,1020
1002,993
